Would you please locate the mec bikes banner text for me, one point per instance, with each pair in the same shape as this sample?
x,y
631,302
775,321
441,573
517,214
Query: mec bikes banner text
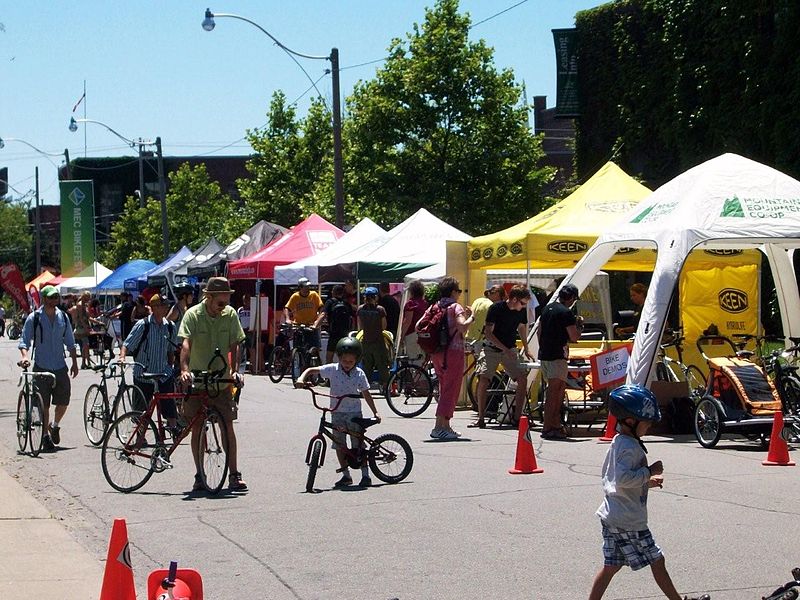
x,y
77,226
566,73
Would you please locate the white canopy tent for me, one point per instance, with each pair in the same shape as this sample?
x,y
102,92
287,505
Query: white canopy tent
x,y
85,280
366,231
729,202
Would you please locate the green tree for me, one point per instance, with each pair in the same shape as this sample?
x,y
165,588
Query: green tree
x,y
196,210
440,127
292,165
16,241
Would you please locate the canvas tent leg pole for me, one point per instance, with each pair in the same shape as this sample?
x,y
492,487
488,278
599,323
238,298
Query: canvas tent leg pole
x,y
785,288
255,329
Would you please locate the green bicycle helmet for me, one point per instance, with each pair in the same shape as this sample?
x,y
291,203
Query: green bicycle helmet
x,y
349,345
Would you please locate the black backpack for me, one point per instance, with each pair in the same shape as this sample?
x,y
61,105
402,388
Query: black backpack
x,y
340,312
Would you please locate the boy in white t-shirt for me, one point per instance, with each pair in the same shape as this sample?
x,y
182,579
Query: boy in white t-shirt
x,y
346,378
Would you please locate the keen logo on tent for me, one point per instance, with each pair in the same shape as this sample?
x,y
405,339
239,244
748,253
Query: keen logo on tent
x,y
724,252
501,251
627,250
488,253
760,208
733,300
516,248
475,255
567,246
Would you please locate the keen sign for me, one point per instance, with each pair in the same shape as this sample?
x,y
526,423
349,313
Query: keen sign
x,y
567,246
733,300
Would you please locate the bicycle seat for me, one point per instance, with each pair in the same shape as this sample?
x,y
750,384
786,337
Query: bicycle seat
x,y
153,375
98,368
745,354
365,423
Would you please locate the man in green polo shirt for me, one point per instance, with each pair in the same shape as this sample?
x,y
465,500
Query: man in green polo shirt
x,y
209,325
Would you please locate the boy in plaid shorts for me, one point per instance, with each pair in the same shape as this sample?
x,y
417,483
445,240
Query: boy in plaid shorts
x,y
626,480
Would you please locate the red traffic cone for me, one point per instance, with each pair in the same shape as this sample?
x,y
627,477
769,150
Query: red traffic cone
x,y
188,585
611,430
525,463
778,454
118,577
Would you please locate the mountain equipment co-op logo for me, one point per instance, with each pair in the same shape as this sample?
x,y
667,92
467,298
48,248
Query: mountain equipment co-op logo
x,y
760,208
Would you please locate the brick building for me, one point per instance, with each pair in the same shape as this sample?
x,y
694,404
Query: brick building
x,y
558,142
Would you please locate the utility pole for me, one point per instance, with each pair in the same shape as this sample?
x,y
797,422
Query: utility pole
x,y
338,169
162,191
66,165
38,235
141,174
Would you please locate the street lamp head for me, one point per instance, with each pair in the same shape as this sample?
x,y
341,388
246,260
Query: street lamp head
x,y
73,126
208,22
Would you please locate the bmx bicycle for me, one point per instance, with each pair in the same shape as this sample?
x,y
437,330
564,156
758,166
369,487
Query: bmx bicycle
x,y
389,456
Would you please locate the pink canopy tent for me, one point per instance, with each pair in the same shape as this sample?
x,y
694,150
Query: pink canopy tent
x,y
304,239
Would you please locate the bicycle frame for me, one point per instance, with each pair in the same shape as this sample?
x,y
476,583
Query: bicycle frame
x,y
326,429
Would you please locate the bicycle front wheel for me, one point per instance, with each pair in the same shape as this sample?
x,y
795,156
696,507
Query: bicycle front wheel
x,y
214,451
96,418
298,364
22,422
390,458
410,391
313,465
128,464
35,424
697,383
279,361
130,399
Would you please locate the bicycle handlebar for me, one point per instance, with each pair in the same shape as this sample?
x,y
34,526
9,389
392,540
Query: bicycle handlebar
x,y
315,393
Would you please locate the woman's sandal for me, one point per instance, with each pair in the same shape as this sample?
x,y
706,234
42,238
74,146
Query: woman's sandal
x,y
479,424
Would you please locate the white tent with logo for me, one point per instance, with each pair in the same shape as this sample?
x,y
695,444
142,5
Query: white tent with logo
x,y
729,202
88,279
363,232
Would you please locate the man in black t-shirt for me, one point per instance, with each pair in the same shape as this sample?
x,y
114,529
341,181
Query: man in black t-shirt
x,y
339,313
505,321
557,327
392,308
124,312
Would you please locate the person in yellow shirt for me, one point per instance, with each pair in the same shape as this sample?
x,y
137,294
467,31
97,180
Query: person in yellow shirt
x,y
304,307
480,307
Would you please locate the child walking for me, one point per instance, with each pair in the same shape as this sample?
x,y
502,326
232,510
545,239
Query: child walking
x,y
626,480
346,379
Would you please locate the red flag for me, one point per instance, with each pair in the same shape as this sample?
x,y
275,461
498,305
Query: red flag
x,y
78,103
12,282
34,294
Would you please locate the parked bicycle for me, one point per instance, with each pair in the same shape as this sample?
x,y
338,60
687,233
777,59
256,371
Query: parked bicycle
x,y
304,353
136,445
389,456
98,411
789,590
670,369
14,326
280,358
30,411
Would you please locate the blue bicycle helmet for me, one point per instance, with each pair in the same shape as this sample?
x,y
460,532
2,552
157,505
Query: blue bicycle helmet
x,y
634,402
371,291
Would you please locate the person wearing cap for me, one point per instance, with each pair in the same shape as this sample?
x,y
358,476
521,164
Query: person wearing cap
x,y
558,326
372,322
506,320
47,331
209,325
305,308
152,343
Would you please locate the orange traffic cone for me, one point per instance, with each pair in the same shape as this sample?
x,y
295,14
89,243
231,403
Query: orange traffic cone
x,y
118,578
525,463
611,430
187,585
778,454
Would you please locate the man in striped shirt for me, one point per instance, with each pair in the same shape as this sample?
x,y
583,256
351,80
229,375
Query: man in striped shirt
x,y
152,342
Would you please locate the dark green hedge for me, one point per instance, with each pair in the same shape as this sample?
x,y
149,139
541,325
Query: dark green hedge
x,y
667,84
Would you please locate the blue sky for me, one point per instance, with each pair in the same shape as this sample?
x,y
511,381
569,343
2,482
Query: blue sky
x,y
151,70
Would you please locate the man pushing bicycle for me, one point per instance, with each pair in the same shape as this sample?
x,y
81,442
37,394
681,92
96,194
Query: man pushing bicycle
x,y
209,325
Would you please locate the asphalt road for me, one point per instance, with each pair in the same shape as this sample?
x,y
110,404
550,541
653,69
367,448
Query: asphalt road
x,y
459,527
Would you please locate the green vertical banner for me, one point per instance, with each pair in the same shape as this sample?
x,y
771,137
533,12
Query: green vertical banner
x,y
567,105
77,226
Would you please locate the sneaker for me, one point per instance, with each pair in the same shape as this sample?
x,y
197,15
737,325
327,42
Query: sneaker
x,y
198,486
365,481
437,433
47,444
454,432
449,435
236,483
344,482
55,434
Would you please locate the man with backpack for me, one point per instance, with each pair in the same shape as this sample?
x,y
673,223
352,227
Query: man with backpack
x,y
339,313
46,332
153,342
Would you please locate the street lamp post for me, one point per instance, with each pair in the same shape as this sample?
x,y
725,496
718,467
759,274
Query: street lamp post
x,y
333,57
36,218
140,144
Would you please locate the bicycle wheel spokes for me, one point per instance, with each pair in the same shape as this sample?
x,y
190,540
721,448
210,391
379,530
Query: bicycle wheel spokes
x,y
22,422
278,364
409,391
214,451
130,400
128,464
298,364
697,382
35,424
390,458
95,414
